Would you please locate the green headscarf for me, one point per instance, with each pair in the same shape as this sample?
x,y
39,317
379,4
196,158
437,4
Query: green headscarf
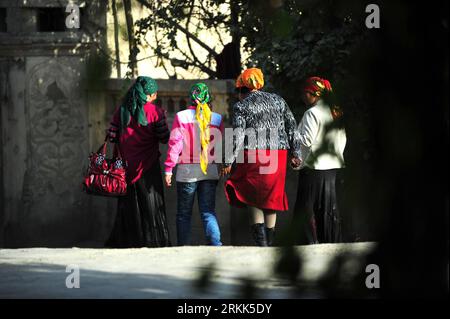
x,y
135,99
199,93
200,97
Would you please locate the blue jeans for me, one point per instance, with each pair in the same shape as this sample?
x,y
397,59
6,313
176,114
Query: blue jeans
x,y
206,193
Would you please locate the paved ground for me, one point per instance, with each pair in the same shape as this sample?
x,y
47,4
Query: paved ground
x,y
157,273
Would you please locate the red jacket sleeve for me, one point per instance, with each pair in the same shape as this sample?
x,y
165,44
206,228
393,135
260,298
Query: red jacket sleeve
x,y
159,125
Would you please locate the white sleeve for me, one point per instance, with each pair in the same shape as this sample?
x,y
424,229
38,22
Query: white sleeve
x,y
308,130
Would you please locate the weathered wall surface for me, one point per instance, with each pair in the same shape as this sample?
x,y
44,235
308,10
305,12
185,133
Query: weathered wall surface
x,y
44,143
44,127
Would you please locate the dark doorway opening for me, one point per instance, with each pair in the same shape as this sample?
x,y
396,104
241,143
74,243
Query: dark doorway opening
x,y
51,20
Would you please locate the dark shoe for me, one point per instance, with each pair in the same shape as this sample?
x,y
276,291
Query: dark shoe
x,y
259,235
270,236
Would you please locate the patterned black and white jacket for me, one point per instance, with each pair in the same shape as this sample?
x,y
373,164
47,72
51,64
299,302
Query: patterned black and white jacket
x,y
263,121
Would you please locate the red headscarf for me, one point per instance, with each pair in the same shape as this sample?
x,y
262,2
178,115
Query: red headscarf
x,y
317,86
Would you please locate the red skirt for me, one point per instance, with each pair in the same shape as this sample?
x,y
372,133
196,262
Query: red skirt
x,y
259,182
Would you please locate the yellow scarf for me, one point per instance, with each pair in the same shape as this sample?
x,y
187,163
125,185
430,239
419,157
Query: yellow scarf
x,y
203,115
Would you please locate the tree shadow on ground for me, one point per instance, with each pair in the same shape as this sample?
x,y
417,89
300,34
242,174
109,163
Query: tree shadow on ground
x,y
43,281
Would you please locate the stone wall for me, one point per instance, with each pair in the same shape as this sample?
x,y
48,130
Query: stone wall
x,y
44,143
44,127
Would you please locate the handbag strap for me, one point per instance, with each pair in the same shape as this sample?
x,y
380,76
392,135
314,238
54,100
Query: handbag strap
x,y
116,150
102,149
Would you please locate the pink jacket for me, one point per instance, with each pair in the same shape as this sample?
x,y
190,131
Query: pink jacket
x,y
184,143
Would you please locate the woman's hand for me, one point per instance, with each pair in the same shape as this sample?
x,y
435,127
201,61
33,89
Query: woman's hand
x,y
226,170
168,179
113,135
295,162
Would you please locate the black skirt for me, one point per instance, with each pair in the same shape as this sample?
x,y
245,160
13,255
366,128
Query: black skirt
x,y
141,214
316,213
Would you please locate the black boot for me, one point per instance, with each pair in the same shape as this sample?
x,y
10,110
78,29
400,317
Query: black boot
x,y
270,236
259,235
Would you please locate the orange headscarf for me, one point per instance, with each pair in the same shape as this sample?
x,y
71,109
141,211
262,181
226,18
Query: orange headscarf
x,y
251,78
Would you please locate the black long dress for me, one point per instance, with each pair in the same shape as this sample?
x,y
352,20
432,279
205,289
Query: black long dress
x,y
316,213
141,215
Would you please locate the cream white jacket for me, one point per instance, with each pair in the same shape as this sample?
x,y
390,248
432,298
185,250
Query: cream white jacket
x,y
322,143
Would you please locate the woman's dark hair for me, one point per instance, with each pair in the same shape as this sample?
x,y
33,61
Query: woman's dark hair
x,y
329,97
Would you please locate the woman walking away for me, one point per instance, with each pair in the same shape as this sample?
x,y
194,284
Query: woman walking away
x,y
265,131
196,134
323,141
139,126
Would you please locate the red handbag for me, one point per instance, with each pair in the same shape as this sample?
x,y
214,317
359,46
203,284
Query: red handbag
x,y
106,177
